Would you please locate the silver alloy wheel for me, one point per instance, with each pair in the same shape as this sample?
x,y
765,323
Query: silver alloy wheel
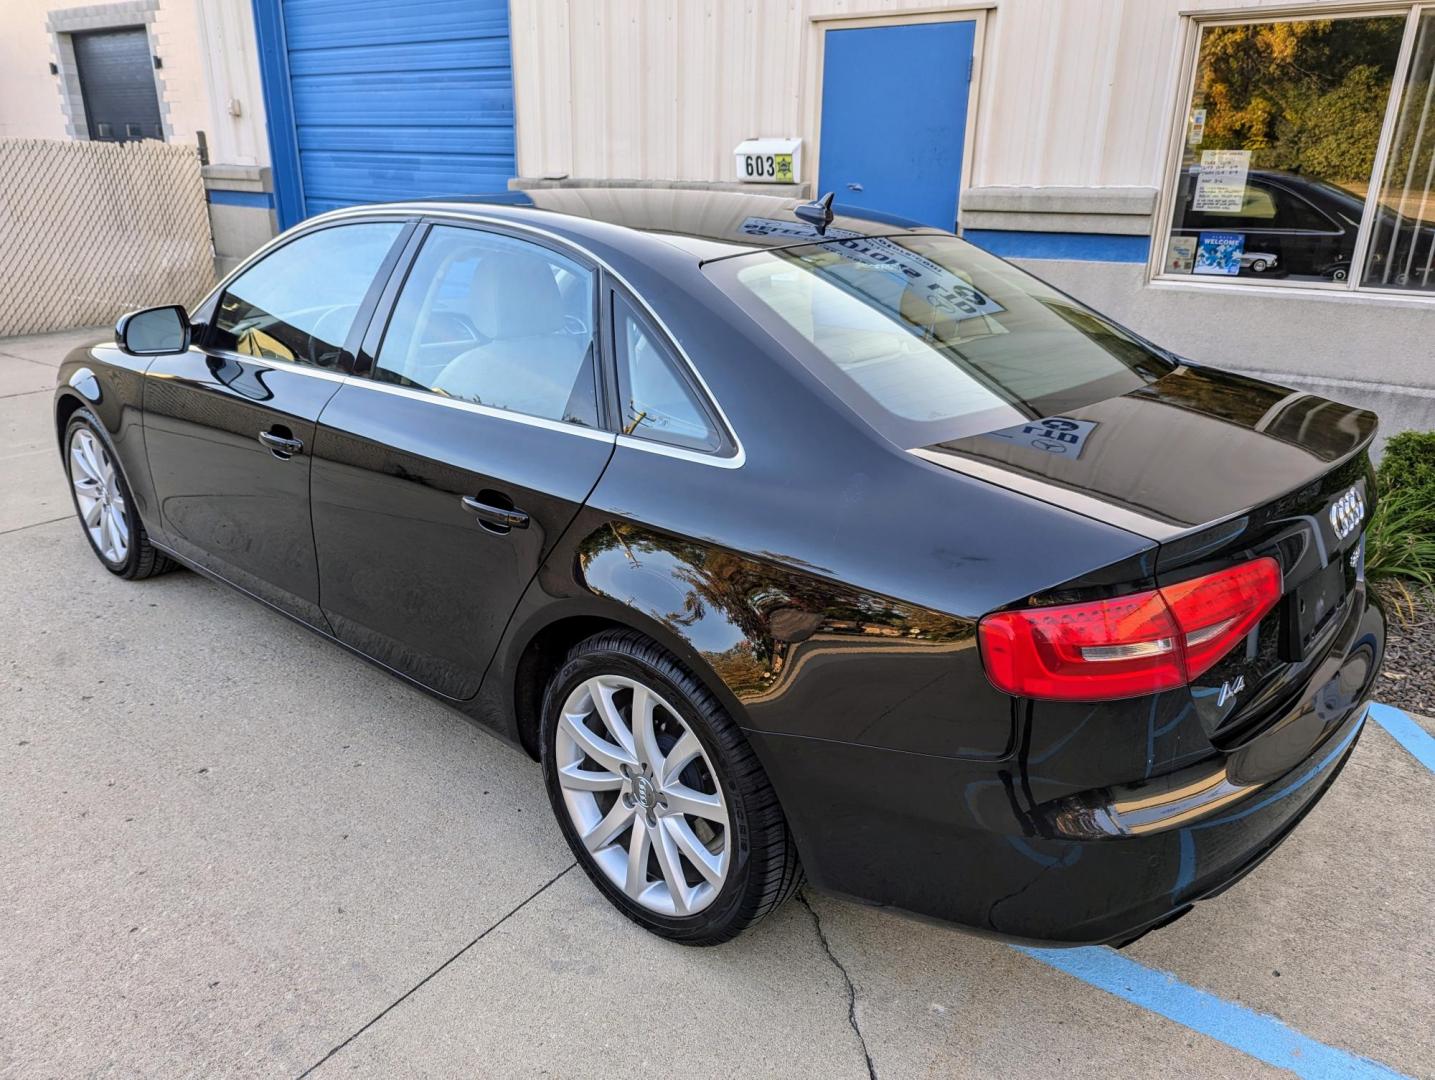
x,y
98,495
634,780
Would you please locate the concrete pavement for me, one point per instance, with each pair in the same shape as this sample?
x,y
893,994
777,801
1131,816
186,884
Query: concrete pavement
x,y
231,849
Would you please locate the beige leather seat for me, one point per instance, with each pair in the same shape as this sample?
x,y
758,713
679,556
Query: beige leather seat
x,y
533,363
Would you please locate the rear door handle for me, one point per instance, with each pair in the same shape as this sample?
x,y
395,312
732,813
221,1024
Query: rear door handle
x,y
282,445
505,517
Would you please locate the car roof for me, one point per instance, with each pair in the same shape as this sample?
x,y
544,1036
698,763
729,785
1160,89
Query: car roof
x,y
704,223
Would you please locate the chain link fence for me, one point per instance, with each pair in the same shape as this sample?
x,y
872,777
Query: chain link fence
x,y
89,230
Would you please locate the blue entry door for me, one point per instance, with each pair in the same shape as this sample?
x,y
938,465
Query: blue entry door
x,y
894,118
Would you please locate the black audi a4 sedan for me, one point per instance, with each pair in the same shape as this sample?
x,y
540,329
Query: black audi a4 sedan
x,y
787,543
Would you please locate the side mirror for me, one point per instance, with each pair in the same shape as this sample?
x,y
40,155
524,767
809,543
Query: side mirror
x,y
153,331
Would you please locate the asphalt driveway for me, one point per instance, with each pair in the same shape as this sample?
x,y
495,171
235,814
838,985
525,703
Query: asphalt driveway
x,y
228,848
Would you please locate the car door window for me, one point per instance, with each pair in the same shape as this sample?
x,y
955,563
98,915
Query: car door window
x,y
1298,214
658,401
496,321
1259,211
298,303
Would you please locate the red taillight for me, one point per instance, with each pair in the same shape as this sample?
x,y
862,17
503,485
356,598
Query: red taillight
x,y
1129,646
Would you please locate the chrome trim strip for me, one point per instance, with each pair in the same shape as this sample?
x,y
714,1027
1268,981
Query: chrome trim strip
x,y
284,365
717,461
1178,807
734,461
1077,502
431,210
482,410
276,362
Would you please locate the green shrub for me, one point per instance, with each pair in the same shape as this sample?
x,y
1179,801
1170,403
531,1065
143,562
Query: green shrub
x,y
1409,461
1400,542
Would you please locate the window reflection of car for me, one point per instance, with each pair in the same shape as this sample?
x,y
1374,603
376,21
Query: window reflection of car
x,y
1258,262
1306,228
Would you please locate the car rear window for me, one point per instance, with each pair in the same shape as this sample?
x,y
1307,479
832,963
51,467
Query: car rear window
x,y
929,338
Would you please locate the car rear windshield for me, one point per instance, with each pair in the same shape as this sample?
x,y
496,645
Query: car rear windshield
x,y
929,338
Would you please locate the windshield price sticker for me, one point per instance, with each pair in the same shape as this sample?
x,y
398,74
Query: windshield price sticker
x,y
1058,435
798,230
943,290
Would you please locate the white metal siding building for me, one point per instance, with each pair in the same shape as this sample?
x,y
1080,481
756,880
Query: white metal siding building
x,y
1075,122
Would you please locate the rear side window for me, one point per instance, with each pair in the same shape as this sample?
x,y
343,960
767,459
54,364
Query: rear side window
x,y
299,303
658,402
497,321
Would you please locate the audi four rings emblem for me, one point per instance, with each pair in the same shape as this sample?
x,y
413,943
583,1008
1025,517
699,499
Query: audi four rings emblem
x,y
1346,513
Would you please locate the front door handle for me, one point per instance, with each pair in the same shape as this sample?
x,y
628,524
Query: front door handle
x,y
282,445
504,517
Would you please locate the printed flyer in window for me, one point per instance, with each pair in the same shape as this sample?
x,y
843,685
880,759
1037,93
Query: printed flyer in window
x,y
1219,253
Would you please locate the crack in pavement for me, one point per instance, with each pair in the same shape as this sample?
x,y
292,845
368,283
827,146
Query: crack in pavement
x,y
419,985
53,366
851,987
33,525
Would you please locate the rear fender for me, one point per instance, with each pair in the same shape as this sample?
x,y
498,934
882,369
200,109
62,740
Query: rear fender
x,y
779,647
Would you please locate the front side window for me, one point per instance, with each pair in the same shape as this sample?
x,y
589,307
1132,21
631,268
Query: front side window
x,y
497,321
299,303
1283,131
929,338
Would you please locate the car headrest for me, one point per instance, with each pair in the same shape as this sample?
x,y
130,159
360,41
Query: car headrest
x,y
514,295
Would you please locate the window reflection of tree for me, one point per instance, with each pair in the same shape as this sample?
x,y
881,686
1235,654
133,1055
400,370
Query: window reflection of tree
x,y
774,609
1272,410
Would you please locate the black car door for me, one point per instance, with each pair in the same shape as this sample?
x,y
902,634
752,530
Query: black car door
x,y
229,424
443,478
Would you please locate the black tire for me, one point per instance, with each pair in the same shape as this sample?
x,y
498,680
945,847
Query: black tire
x,y
143,559
763,870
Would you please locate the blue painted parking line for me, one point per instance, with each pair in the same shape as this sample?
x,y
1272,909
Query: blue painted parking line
x,y
1406,732
1254,1033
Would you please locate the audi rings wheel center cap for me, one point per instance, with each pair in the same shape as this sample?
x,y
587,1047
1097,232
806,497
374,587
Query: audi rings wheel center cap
x,y
645,794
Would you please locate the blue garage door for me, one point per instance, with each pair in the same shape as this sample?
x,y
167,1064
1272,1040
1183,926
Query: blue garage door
x,y
372,100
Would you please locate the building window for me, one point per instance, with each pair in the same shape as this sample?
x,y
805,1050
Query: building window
x,y
1296,167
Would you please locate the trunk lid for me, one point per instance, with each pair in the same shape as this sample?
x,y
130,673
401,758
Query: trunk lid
x,y
1191,449
1218,469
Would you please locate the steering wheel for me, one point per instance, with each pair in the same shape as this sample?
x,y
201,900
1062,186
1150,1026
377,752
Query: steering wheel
x,y
321,350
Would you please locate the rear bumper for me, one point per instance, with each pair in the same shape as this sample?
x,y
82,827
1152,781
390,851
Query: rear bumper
x,y
953,840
